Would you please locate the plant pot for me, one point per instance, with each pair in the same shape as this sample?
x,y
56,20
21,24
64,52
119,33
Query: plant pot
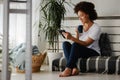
x,y
52,56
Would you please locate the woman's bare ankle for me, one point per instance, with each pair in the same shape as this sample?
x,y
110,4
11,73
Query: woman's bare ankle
x,y
75,71
67,72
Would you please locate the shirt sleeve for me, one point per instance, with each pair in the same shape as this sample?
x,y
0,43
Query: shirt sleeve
x,y
95,33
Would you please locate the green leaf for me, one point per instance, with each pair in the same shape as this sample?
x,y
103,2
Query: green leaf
x,y
53,14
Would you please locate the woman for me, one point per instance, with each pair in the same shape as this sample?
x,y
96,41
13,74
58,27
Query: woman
x,y
86,44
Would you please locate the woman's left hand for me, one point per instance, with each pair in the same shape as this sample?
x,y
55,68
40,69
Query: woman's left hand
x,y
76,30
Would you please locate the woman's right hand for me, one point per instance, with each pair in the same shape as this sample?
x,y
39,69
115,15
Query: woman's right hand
x,y
67,35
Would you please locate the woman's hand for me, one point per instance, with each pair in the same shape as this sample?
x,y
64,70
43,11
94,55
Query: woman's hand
x,y
76,30
67,35
77,33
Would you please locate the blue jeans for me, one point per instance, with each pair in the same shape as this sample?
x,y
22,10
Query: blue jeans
x,y
74,51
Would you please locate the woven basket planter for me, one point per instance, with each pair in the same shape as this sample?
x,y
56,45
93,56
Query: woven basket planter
x,y
37,61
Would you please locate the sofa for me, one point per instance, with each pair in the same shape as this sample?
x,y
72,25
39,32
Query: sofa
x,y
99,64
106,63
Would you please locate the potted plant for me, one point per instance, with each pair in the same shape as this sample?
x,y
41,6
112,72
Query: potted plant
x,y
53,12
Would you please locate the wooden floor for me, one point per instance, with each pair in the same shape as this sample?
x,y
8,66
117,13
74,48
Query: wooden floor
x,y
44,74
54,76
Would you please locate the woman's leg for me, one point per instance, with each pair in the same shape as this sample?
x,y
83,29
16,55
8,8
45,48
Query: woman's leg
x,y
72,54
73,57
78,51
67,49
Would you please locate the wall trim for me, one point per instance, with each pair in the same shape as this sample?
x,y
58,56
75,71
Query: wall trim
x,y
99,18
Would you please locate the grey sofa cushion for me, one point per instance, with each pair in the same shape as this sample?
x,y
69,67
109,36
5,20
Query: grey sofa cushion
x,y
104,43
100,64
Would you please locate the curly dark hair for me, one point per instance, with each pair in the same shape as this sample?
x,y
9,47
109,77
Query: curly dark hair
x,y
88,8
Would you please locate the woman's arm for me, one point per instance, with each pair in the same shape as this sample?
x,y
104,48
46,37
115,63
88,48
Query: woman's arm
x,y
84,43
77,33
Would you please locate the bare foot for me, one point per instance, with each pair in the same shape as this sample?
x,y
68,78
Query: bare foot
x,y
75,71
67,72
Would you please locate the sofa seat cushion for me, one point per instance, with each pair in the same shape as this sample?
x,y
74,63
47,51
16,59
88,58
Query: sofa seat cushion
x,y
100,64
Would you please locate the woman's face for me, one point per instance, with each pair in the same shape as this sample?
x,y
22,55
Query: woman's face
x,y
83,17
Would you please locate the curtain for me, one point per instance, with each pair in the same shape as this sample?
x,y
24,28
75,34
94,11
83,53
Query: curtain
x,y
17,30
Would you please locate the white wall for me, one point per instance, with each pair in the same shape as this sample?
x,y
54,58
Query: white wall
x,y
103,7
40,40
1,1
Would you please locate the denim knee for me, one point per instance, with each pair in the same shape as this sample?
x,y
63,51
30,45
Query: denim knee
x,y
66,43
75,44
